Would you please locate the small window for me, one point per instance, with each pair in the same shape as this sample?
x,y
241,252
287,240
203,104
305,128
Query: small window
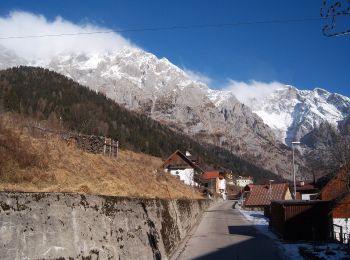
x,y
177,172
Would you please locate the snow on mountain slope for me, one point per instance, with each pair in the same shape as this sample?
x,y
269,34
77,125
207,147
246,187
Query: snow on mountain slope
x,y
293,113
131,72
141,82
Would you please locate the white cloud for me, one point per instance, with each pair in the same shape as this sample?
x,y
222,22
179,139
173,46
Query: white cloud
x,y
197,76
19,23
248,91
23,24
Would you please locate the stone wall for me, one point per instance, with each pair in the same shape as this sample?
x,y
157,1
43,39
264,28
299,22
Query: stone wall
x,y
75,226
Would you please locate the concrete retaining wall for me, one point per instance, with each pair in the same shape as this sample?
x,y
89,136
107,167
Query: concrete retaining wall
x,y
74,226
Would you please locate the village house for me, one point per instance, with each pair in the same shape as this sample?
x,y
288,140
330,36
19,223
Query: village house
x,y
214,182
306,191
178,164
337,192
243,181
258,197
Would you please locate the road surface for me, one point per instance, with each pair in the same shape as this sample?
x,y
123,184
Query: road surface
x,y
223,233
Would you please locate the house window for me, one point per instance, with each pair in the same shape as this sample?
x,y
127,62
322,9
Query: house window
x,y
177,172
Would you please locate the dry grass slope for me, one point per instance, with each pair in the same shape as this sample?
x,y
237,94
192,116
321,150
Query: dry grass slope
x,y
48,164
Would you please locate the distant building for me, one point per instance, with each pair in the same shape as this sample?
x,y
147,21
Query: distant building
x,y
244,181
213,181
178,164
306,191
260,196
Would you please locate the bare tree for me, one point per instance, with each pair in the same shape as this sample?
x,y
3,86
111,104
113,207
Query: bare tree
x,y
331,153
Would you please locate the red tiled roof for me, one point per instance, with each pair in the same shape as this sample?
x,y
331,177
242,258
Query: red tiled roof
x,y
210,175
260,195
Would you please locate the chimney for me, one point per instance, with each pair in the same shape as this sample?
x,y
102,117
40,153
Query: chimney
x,y
302,183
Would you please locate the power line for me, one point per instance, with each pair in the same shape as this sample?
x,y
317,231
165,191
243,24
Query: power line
x,y
169,28
333,12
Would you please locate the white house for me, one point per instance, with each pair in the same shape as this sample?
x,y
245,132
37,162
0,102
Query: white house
x,y
182,166
244,181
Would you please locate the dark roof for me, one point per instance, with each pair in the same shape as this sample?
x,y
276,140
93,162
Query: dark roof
x,y
189,162
260,195
308,187
299,202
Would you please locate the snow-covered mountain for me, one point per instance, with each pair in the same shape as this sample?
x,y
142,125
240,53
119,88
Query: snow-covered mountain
x,y
141,82
293,113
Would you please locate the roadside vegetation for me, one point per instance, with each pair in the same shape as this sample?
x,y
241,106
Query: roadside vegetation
x,y
49,164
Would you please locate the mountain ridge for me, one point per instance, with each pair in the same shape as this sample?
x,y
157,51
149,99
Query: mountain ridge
x,y
47,95
155,87
294,113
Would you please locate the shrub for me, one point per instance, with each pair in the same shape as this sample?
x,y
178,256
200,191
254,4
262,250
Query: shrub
x,y
16,154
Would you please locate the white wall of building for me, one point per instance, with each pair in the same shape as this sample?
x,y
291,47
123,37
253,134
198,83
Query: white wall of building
x,y
345,224
186,175
222,184
243,182
307,196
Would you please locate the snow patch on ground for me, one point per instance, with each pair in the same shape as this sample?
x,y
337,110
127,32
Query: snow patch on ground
x,y
261,223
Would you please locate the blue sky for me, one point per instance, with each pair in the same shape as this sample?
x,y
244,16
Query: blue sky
x,y
292,53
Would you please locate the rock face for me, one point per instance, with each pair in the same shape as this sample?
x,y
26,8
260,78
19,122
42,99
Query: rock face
x,y
293,113
74,226
141,82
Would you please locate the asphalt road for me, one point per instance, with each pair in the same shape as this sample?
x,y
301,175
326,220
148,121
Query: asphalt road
x,y
223,233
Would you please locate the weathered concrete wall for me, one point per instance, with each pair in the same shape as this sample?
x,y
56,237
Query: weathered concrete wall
x,y
74,226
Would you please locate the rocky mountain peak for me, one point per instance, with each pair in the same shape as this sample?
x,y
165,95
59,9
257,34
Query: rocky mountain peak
x,y
293,113
141,82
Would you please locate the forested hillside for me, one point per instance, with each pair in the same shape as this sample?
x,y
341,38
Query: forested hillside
x,y
46,95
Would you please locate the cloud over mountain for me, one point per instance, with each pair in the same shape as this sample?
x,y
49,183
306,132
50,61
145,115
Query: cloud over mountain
x,y
197,76
24,24
245,92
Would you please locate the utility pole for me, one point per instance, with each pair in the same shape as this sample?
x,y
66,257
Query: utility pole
x,y
270,194
295,186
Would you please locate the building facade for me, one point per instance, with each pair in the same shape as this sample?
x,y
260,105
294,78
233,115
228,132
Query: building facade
x,y
244,181
187,170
